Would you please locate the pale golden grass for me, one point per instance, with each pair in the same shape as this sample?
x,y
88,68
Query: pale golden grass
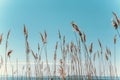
x,y
73,53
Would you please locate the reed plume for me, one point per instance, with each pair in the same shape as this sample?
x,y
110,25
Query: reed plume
x,y
59,35
75,27
42,37
116,23
9,53
91,48
25,32
8,34
38,48
45,37
116,17
84,37
1,35
106,56
34,55
99,43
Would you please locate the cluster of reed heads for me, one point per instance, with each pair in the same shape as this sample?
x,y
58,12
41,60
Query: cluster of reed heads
x,y
79,60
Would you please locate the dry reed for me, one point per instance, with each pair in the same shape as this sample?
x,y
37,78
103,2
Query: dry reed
x,y
116,17
72,56
6,47
1,35
28,66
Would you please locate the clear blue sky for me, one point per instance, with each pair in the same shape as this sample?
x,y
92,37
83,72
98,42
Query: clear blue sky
x,y
92,16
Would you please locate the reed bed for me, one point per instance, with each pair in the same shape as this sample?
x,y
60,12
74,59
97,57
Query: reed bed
x,y
78,60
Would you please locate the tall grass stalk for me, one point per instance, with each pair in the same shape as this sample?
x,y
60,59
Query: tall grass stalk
x,y
28,67
115,56
6,48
